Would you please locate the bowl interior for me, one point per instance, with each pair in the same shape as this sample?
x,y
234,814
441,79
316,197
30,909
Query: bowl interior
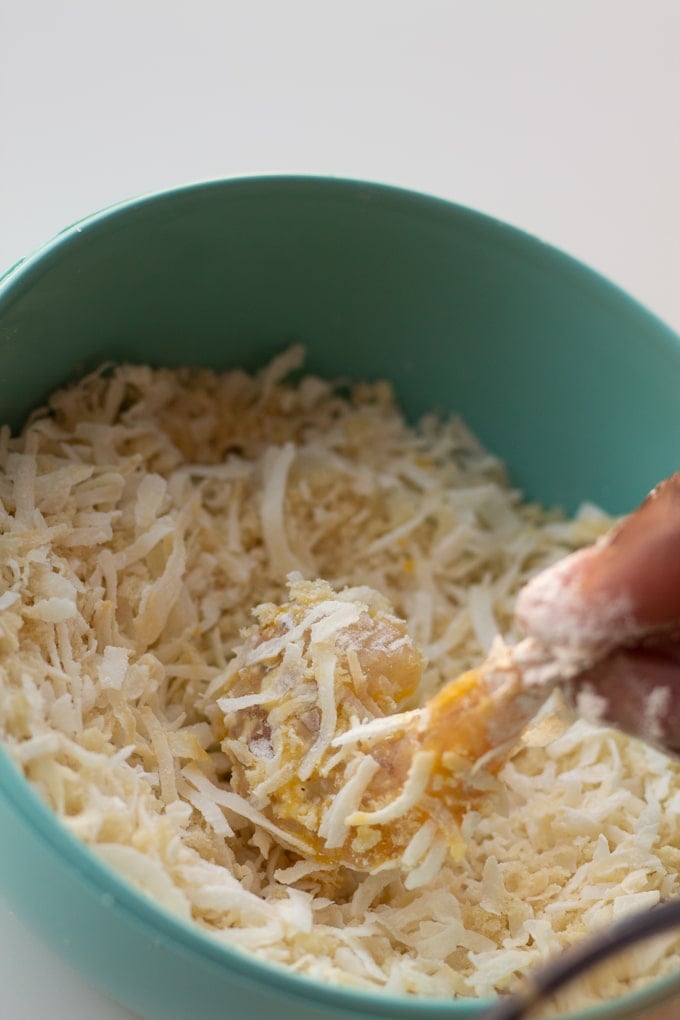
x,y
567,379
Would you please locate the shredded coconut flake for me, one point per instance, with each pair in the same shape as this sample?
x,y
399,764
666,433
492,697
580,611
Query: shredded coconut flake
x,y
143,515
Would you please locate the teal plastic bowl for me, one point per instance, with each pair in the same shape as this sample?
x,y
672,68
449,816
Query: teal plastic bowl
x,y
572,383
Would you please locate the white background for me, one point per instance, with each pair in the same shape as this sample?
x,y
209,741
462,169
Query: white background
x,y
560,116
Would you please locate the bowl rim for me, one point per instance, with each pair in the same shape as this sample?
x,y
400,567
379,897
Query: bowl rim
x,y
245,966
22,269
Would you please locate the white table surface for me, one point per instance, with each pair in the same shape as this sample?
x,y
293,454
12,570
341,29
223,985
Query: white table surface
x,y
560,116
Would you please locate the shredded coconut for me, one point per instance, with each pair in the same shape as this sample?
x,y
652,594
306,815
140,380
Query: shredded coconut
x,y
143,515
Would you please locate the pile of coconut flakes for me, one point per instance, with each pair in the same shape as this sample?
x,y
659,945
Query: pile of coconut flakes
x,y
144,513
